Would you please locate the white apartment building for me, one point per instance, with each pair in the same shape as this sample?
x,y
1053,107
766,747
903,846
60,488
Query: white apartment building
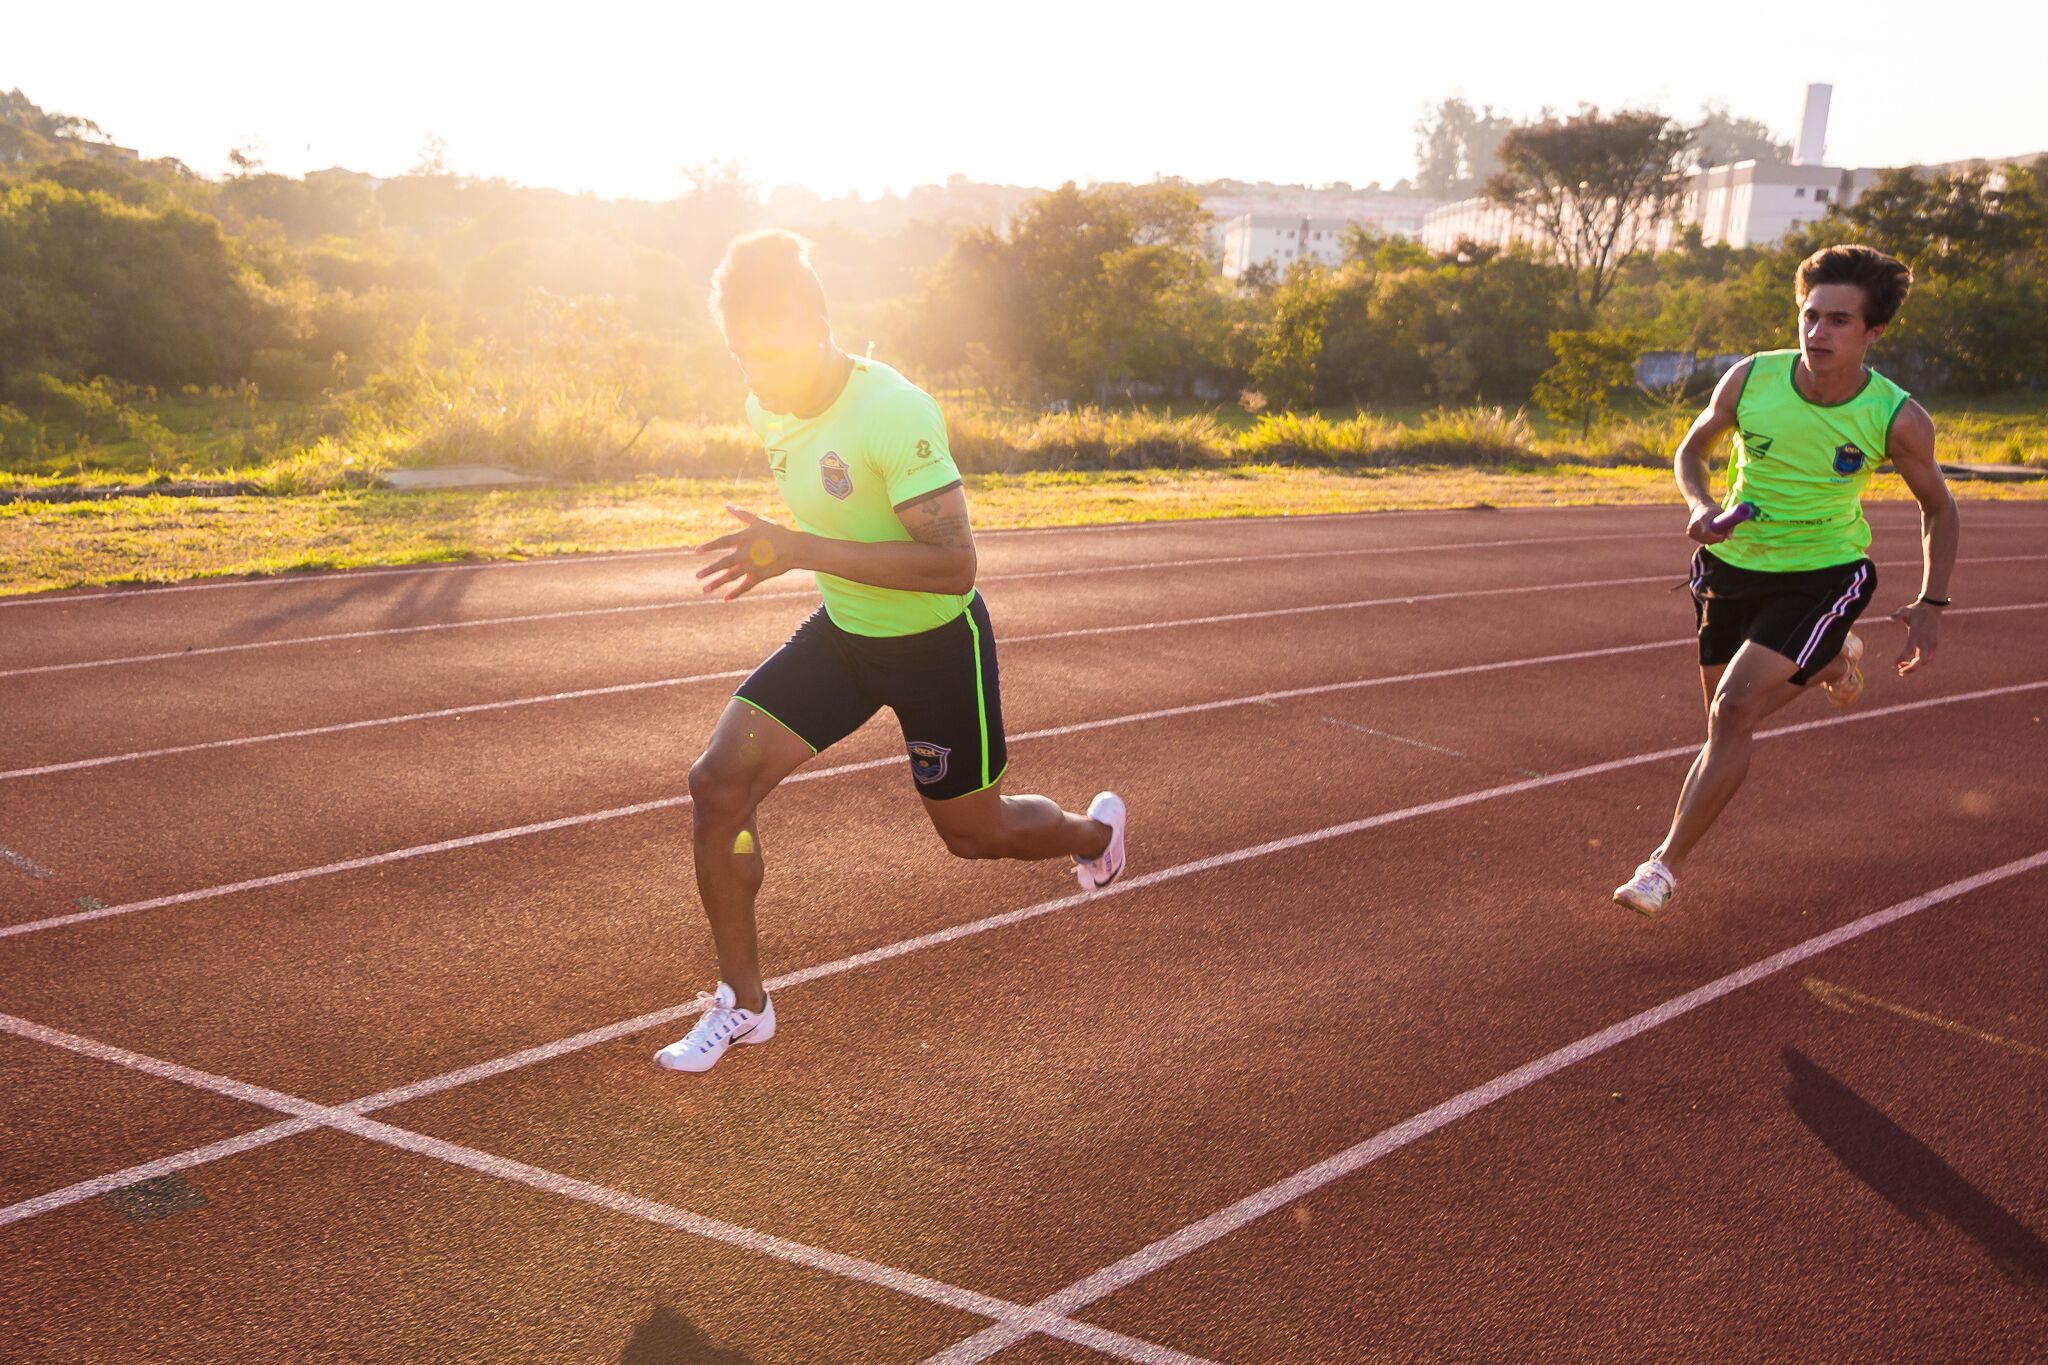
x,y
1280,240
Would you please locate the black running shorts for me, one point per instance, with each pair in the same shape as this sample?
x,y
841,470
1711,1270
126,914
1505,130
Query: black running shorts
x,y
1804,615
826,682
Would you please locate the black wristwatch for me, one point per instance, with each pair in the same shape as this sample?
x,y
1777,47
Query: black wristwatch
x,y
1923,600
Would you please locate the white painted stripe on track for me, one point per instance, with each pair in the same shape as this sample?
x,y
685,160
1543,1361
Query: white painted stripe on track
x,y
144,591
685,604
812,775
624,1028
150,1170
346,576
617,689
692,603
672,802
1223,1222
308,1114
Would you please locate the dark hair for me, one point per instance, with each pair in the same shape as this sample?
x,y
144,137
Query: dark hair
x,y
766,273
1884,280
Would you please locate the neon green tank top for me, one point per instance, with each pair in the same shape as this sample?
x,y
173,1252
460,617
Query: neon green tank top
x,y
1805,466
843,473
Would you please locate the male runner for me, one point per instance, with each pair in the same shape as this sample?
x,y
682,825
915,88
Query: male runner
x,y
859,456
1775,598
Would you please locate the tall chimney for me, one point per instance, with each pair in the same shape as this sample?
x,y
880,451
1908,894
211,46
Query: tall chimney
x,y
1811,149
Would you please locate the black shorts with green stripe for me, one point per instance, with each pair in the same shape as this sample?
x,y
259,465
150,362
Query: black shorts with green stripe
x,y
825,683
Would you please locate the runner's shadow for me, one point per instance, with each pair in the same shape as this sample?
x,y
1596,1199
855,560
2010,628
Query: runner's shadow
x,y
669,1338
1907,1172
422,598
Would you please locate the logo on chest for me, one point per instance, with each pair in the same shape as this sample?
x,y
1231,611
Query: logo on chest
x,y
836,477
1848,459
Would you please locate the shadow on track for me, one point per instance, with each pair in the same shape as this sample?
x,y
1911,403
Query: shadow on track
x,y
1910,1175
669,1338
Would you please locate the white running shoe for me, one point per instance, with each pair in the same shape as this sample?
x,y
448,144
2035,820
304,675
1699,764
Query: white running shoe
x,y
1649,890
722,1024
1096,873
1845,692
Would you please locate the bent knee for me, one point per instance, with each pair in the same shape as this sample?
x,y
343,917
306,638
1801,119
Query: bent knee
x,y
1738,711
974,844
720,793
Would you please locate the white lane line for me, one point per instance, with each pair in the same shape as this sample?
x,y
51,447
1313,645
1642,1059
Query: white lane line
x,y
625,1028
1223,1222
149,1170
346,576
684,604
667,803
308,732
308,1114
808,775
696,602
472,709
25,863
579,694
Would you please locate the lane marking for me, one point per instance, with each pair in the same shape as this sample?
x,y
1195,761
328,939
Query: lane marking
x,y
534,1055
1407,599
1403,739
351,575
1843,999
691,603
1195,1236
151,1170
25,863
309,1114
810,775
673,802
345,576
623,688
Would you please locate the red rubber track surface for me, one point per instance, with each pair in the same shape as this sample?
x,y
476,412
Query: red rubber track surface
x,y
1841,1158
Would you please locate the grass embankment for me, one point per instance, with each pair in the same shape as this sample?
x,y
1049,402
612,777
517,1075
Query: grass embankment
x,y
629,486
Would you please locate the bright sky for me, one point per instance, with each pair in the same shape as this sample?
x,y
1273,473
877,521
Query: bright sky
x,y
615,97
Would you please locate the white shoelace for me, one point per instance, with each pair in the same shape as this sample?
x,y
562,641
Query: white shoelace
x,y
719,1019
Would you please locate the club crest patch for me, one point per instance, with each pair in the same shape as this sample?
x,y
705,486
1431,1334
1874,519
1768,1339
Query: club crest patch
x,y
927,761
837,477
1848,459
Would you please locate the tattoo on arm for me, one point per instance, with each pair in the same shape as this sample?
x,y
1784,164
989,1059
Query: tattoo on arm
x,y
940,520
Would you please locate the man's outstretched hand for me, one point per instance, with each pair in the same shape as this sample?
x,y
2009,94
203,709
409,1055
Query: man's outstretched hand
x,y
750,556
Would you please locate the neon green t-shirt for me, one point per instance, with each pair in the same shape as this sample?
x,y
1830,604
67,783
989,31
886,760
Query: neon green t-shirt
x,y
843,473
1805,466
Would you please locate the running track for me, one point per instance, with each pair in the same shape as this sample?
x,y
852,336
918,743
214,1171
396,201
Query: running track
x,y
339,916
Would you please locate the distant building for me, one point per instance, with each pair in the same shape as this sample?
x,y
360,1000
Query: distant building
x,y
1270,239
1266,224
1749,203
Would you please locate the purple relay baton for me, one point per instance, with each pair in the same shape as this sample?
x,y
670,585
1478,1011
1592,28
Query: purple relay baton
x,y
1731,518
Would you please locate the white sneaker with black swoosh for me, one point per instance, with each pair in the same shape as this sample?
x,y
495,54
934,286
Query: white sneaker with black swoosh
x,y
1096,873
722,1024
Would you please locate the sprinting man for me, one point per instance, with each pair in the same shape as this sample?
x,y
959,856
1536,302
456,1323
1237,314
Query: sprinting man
x,y
859,456
1775,599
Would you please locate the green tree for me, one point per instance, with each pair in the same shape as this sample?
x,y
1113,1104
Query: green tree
x,y
1590,366
1593,185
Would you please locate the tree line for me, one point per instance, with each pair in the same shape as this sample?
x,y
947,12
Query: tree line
x,y
146,274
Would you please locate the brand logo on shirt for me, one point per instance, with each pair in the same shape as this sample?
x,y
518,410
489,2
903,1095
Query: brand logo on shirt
x,y
838,479
778,464
1848,459
927,761
924,451
1757,446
